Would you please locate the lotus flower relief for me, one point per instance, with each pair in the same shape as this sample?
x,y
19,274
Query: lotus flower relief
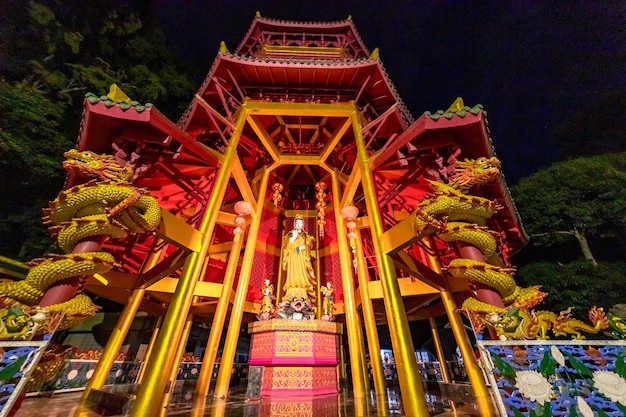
x,y
534,386
557,355
611,385
584,408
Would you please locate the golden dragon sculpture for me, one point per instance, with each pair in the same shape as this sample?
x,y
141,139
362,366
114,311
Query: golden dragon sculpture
x,y
107,205
452,214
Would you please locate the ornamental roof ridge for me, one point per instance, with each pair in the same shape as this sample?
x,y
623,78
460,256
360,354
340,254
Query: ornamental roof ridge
x,y
449,114
299,61
108,102
273,20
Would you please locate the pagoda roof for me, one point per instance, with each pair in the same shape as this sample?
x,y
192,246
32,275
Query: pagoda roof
x,y
364,81
465,134
340,33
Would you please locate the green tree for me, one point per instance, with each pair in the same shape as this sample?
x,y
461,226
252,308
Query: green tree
x,y
578,284
583,198
70,48
31,151
52,54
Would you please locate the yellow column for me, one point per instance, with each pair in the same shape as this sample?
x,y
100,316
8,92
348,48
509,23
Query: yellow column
x,y
217,326
279,281
370,321
475,375
153,338
355,345
318,274
234,324
439,349
174,369
411,388
147,402
112,349
120,331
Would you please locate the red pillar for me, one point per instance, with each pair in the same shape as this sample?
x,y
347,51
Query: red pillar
x,y
64,290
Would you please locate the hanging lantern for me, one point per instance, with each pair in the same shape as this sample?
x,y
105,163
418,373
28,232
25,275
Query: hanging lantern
x,y
277,196
242,208
321,206
349,214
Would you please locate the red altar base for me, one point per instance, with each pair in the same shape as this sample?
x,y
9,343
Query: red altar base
x,y
299,358
318,406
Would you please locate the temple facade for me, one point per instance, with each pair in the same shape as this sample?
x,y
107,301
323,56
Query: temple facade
x,y
301,120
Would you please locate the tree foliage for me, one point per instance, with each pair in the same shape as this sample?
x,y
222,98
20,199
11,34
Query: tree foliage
x,y
583,198
577,284
31,151
53,54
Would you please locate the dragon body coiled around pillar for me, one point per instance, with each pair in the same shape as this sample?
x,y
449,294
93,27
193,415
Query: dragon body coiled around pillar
x,y
453,215
106,205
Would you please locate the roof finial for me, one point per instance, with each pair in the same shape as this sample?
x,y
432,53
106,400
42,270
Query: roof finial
x,y
116,94
375,54
223,48
457,105
349,17
258,14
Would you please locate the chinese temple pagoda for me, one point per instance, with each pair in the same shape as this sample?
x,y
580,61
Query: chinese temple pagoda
x,y
301,119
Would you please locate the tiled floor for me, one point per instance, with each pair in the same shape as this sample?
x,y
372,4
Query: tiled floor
x,y
236,405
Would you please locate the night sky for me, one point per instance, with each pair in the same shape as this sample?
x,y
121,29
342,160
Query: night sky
x,y
532,65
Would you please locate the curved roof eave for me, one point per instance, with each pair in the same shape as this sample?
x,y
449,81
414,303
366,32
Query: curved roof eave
x,y
295,64
103,121
470,130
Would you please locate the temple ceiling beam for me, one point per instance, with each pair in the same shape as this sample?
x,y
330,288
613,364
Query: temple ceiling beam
x,y
401,235
300,109
239,175
334,139
202,289
351,187
408,287
264,137
176,177
176,231
165,267
213,114
392,146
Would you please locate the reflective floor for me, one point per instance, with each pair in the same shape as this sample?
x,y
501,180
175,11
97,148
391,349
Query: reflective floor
x,y
236,405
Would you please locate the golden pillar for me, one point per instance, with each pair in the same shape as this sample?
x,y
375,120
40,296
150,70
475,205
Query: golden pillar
x,y
174,369
439,349
472,369
112,349
154,384
355,345
413,397
217,326
153,338
370,320
230,344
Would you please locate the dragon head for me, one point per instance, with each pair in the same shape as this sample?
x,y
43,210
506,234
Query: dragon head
x,y
90,164
475,172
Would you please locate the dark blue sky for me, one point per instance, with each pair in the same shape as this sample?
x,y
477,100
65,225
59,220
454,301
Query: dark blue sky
x,y
530,64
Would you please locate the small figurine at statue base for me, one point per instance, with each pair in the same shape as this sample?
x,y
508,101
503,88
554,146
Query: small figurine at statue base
x,y
267,303
328,306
